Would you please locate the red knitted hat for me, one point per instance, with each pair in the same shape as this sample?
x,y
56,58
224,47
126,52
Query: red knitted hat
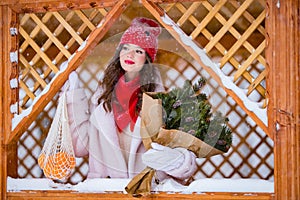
x,y
143,32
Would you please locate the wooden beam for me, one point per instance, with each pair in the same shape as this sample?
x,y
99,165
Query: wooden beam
x,y
67,195
176,1
76,60
283,82
157,12
37,6
8,71
2,105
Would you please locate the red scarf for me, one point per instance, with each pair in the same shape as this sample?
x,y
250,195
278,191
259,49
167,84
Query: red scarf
x,y
124,104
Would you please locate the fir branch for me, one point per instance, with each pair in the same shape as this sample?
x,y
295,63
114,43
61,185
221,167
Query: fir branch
x,y
188,110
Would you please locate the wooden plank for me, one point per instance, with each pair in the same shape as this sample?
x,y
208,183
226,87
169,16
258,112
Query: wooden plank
x,y
49,42
243,38
283,53
34,73
34,32
66,195
78,58
67,26
76,2
11,94
256,82
9,70
255,53
27,90
52,37
248,16
218,45
207,18
157,12
37,6
175,1
227,25
186,15
80,30
38,50
37,57
231,59
236,34
102,11
2,121
85,20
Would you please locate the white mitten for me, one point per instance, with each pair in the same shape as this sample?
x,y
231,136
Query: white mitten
x,y
72,82
177,162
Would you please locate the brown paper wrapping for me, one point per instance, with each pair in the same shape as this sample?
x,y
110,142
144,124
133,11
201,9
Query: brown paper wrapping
x,y
140,185
152,131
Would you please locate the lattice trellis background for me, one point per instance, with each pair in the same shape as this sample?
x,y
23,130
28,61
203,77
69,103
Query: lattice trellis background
x,y
231,32
48,39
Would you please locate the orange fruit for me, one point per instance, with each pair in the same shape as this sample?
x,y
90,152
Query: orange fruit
x,y
57,166
41,160
72,162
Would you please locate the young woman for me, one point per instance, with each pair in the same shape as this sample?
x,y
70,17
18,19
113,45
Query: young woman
x,y
107,129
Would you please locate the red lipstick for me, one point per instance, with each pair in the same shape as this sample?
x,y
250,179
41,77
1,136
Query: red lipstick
x,y
129,62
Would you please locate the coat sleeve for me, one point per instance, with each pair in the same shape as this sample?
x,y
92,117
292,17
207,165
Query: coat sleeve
x,y
78,113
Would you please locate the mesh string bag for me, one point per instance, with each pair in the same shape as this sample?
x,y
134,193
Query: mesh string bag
x,y
57,158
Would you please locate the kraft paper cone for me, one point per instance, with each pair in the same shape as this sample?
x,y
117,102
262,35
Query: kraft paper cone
x,y
151,119
175,138
152,131
140,185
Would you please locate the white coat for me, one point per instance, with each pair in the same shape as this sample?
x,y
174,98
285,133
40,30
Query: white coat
x,y
94,134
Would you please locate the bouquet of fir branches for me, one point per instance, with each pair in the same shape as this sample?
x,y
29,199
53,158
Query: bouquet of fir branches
x,y
180,118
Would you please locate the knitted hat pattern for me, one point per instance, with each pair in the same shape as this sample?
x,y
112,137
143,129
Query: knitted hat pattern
x,y
144,33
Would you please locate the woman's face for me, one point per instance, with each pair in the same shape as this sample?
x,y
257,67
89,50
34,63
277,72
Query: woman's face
x,y
132,59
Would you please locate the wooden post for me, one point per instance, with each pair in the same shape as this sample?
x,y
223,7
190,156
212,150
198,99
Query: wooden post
x,y
8,71
282,53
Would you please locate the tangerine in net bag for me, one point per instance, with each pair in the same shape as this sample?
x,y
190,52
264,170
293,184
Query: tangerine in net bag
x,y
58,166
57,158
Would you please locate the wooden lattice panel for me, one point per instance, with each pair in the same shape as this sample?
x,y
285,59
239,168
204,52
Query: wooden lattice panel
x,y
227,30
48,39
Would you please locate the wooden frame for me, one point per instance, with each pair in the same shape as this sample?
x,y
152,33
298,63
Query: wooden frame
x,y
283,92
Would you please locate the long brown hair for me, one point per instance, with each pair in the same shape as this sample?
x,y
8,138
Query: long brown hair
x,y
112,73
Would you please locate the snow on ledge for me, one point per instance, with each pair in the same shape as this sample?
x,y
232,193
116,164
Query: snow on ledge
x,y
117,185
